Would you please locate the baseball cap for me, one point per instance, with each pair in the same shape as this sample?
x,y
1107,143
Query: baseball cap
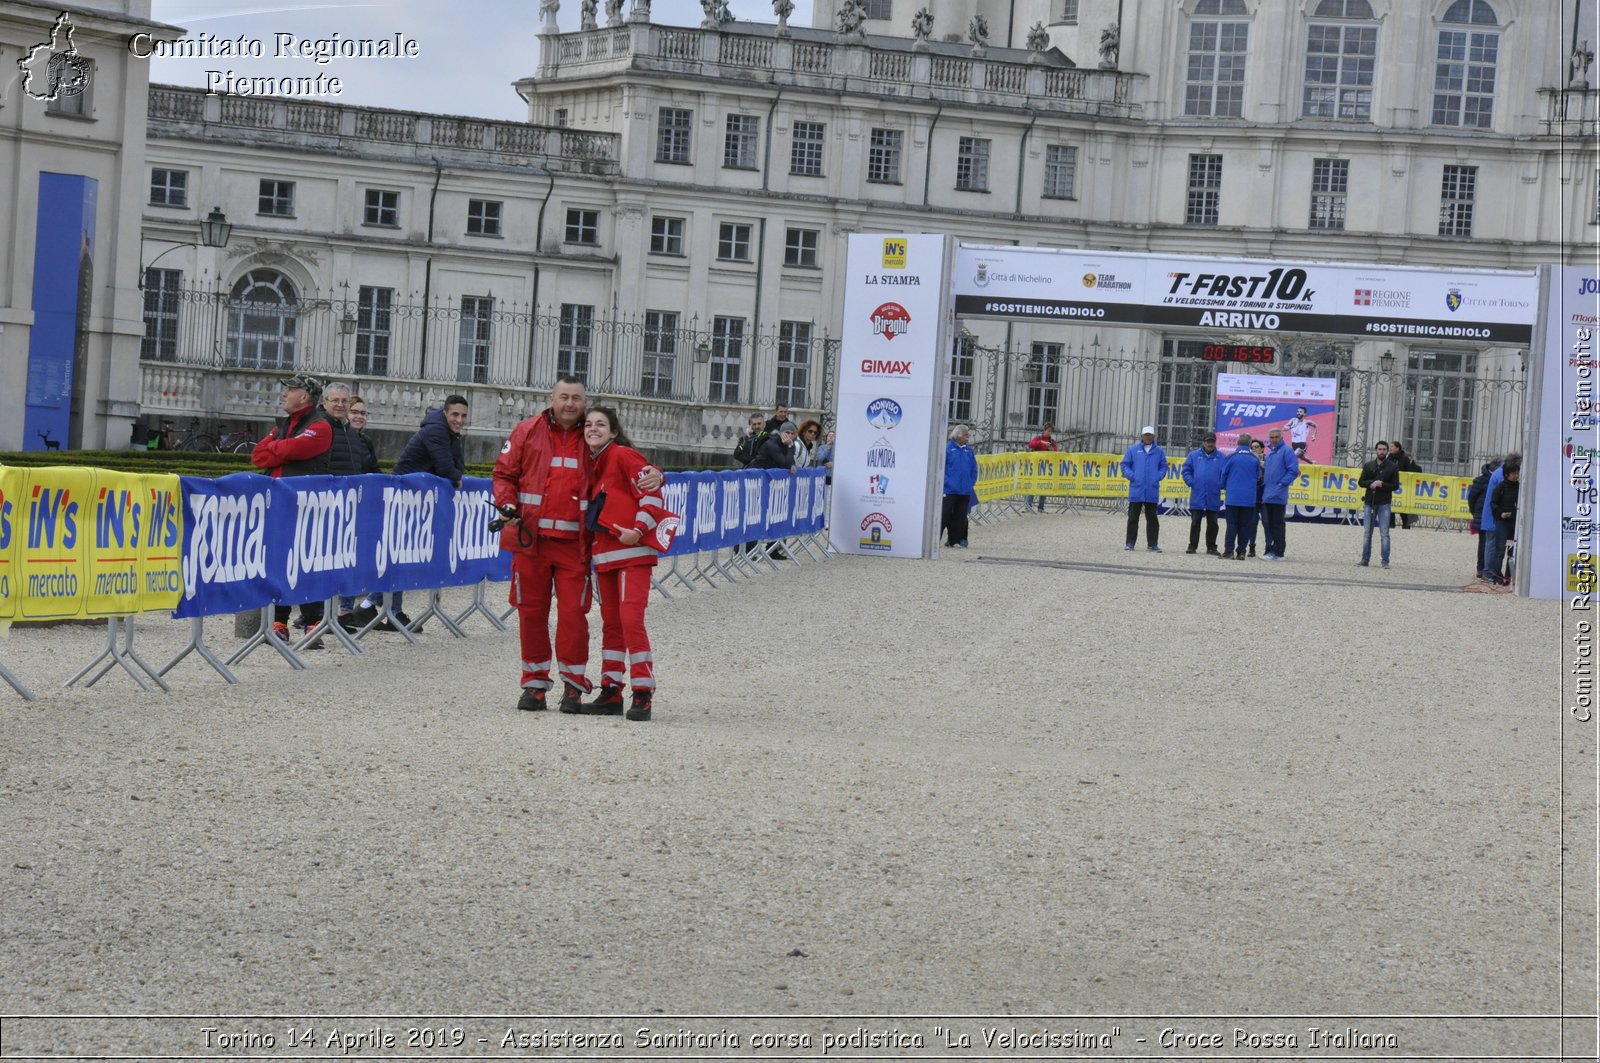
x,y
1147,430
311,384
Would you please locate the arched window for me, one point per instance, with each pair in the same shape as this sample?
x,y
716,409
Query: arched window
x,y
262,310
1341,58
1464,71
1219,38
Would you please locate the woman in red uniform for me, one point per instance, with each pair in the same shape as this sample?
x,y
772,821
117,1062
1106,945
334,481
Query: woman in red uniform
x,y
622,517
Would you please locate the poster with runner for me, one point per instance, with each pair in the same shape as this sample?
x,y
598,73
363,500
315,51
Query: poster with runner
x,y
1304,408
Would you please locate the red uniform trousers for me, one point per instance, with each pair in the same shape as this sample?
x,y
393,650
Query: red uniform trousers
x,y
562,567
624,592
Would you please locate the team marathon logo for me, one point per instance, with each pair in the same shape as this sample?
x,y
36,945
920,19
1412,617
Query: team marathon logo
x,y
54,70
884,414
876,528
890,320
1106,282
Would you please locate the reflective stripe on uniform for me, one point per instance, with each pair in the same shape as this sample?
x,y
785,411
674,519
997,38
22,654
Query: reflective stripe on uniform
x,y
652,500
528,499
622,555
646,519
559,525
563,463
639,658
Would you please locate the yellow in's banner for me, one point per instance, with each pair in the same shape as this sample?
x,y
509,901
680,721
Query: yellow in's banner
x,y
51,574
133,557
10,515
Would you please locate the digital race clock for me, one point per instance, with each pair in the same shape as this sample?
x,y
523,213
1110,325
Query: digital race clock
x,y
1238,352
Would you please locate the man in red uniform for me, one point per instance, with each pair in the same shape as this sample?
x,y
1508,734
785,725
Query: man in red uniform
x,y
297,446
545,472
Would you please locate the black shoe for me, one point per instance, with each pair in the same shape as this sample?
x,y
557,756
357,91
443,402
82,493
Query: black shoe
x,y
314,644
1192,550
1239,556
639,711
1252,551
571,700
402,620
1213,551
384,625
532,701
607,703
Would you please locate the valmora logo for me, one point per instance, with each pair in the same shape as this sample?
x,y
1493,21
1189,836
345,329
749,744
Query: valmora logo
x,y
229,541
471,539
890,320
407,527
894,252
324,532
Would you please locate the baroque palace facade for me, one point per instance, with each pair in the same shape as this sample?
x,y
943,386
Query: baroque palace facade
x,y
670,221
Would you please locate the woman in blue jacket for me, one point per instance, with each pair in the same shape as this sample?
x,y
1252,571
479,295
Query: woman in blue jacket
x,y
960,478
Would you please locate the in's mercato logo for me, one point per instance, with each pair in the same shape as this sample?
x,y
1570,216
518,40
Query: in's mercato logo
x,y
54,70
884,414
890,320
894,252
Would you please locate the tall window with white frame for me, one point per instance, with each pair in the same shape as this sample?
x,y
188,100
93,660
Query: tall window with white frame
x,y
1457,192
1330,183
727,358
472,347
959,405
883,156
1218,47
806,146
374,326
1341,58
483,217
733,242
1060,172
660,353
583,226
740,142
1186,395
674,132
1439,408
1465,65
972,164
275,198
575,341
794,363
263,321
1044,393
382,208
161,288
800,248
666,236
1204,203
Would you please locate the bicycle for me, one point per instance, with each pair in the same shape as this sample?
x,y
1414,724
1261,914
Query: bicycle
x,y
193,439
236,442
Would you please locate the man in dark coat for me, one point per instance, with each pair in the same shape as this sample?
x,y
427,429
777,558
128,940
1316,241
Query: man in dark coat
x,y
1379,476
436,448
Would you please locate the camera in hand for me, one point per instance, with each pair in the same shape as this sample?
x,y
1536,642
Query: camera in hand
x,y
508,515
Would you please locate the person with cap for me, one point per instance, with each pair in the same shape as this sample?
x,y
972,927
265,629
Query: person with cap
x,y
1202,471
1282,469
1241,475
297,445
1144,466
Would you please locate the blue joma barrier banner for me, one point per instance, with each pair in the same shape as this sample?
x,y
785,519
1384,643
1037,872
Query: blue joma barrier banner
x,y
225,543
475,550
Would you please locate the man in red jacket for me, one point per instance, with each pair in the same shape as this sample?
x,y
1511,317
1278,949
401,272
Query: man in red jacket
x,y
297,446
544,472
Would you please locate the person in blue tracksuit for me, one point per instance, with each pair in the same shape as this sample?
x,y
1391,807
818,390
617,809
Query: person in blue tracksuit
x,y
1202,471
960,478
1283,469
1490,526
1240,474
1144,466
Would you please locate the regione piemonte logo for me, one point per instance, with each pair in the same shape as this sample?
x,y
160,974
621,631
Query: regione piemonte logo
x,y
890,320
54,69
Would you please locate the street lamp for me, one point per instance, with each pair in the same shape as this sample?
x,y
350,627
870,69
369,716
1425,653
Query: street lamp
x,y
1386,361
215,230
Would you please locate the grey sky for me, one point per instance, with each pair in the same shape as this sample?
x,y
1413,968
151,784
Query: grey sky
x,y
470,50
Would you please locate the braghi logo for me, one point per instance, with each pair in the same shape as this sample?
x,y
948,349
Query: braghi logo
x,y
890,320
54,70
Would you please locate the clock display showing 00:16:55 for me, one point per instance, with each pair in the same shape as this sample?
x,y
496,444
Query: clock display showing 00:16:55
x,y
1233,352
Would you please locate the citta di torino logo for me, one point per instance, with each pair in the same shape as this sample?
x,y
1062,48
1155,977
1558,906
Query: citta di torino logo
x,y
890,320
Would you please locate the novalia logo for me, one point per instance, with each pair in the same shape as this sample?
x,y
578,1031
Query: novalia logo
x,y
884,414
1285,285
52,520
407,528
471,539
324,532
890,320
229,541
884,367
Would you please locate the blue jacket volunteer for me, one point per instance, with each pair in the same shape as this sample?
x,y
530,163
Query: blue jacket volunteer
x,y
1240,475
1144,466
1202,471
960,478
1283,468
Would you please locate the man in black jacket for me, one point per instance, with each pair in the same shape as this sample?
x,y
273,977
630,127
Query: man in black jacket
x,y
436,448
1477,497
744,451
777,452
348,455
1379,477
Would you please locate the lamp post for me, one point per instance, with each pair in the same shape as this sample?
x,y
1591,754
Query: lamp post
x,y
214,231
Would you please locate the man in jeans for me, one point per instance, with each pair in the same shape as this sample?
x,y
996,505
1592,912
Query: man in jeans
x,y
1379,477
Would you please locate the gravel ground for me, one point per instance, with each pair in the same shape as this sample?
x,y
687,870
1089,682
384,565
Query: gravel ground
x,y
1040,776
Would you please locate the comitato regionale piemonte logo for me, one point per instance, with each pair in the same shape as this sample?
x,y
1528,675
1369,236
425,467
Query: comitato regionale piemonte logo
x,y
54,69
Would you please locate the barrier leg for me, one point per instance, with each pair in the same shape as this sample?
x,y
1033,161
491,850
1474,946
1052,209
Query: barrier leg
x,y
16,684
197,644
329,625
804,542
436,610
265,636
121,657
480,606
386,612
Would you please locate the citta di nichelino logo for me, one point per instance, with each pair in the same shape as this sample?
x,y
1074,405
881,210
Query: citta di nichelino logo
x,y
54,69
